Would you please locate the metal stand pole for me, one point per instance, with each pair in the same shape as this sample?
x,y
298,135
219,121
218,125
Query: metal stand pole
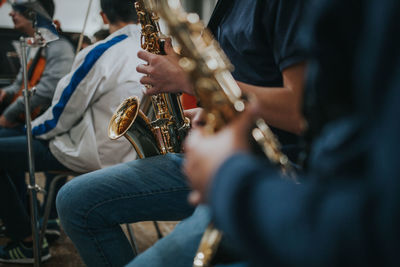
x,y
32,187
132,239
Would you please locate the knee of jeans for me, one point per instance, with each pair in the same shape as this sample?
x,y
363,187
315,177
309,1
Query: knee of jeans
x,y
77,206
69,203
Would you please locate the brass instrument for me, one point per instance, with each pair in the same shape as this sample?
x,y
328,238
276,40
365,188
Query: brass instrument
x,y
218,92
166,133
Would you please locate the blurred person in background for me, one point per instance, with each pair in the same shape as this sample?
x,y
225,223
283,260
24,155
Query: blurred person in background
x,y
46,66
71,134
101,35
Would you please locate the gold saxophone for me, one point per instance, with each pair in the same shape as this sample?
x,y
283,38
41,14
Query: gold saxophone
x,y
166,133
218,92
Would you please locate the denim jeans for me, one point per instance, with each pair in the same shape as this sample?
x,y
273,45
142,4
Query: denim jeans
x,y
92,206
14,160
18,176
178,249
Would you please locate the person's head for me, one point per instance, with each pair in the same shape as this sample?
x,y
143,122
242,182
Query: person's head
x,y
22,16
86,42
118,12
101,35
48,5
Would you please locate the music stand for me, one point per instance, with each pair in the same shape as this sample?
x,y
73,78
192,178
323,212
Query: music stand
x,y
39,39
33,188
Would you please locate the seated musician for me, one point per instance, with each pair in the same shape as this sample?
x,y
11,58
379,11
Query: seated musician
x,y
155,188
71,134
46,66
345,211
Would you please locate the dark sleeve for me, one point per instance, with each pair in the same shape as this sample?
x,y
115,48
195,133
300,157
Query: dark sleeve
x,y
283,21
348,219
278,223
15,86
14,111
332,44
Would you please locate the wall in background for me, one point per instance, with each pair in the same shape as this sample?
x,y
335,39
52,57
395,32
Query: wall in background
x,y
71,14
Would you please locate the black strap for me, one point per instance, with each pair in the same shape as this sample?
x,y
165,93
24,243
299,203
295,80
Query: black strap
x,y
218,14
34,63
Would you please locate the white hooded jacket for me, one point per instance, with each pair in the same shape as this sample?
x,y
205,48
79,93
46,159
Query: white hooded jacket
x,y
102,76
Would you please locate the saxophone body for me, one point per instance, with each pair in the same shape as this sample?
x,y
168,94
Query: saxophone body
x,y
219,95
165,134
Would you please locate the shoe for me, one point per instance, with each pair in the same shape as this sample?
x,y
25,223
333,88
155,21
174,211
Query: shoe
x,y
53,230
17,252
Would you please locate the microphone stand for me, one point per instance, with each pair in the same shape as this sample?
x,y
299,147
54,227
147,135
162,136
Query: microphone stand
x,y
32,187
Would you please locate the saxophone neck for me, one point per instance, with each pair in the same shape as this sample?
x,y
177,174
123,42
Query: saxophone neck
x,y
152,40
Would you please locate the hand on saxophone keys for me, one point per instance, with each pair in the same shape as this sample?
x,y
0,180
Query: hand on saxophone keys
x,y
163,73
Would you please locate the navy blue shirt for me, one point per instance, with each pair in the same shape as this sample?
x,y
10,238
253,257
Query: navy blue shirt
x,y
343,214
261,38
329,92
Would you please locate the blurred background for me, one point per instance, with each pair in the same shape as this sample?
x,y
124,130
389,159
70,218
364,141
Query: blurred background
x,y
71,15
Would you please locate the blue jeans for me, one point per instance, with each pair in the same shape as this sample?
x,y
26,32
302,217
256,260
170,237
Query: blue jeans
x,y
14,160
92,206
179,247
18,176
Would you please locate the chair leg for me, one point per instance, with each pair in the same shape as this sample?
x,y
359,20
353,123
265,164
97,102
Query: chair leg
x,y
159,234
47,210
48,205
132,238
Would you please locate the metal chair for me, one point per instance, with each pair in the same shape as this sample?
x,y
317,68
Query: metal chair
x,y
48,205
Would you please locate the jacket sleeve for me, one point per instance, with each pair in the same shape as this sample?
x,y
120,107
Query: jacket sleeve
x,y
73,96
68,109
59,58
14,110
340,222
15,86
88,81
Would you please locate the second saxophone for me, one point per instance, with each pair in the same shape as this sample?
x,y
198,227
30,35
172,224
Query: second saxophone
x,y
166,133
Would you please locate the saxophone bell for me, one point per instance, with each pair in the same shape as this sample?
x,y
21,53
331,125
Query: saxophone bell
x,y
129,121
166,133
